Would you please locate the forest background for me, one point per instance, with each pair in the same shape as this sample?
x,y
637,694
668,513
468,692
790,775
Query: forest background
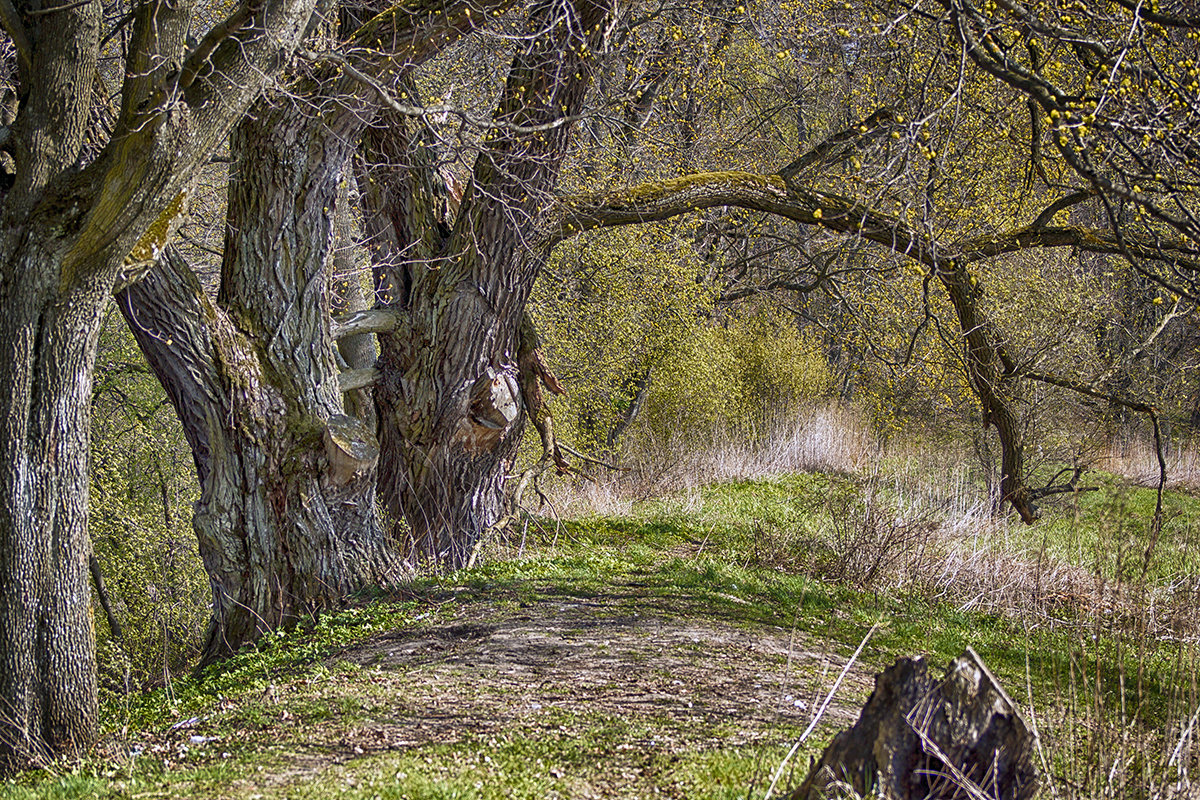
x,y
778,237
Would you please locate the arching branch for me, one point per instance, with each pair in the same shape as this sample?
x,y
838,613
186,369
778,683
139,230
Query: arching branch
x,y
991,370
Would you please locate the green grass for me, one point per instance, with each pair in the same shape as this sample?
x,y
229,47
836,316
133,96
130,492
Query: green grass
x,y
279,655
589,756
1109,531
713,554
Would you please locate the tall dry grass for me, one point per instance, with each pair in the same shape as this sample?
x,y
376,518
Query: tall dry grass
x,y
1124,718
1131,454
920,516
816,438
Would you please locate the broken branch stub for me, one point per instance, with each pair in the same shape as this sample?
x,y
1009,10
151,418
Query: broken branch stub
x,y
919,737
351,448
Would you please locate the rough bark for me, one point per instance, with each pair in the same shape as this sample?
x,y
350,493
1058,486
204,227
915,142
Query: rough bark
x,y
47,659
449,398
286,520
47,348
69,226
919,738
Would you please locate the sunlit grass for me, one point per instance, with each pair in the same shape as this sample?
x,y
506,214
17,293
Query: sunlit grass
x,y
1095,640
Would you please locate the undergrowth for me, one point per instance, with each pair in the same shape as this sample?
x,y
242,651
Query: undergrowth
x,y
1087,618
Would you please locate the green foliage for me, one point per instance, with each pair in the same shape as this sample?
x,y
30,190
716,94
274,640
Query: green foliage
x,y
142,491
629,326
610,308
735,377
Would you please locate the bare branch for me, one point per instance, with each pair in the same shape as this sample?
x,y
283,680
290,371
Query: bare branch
x,y
10,19
41,12
376,320
428,112
770,193
352,379
842,145
1074,198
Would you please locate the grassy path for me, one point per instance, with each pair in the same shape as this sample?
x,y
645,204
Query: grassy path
x,y
676,653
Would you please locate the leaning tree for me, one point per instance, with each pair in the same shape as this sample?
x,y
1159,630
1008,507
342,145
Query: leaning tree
x,y
452,289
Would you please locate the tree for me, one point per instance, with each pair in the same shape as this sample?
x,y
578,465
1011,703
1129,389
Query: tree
x,y
933,95
448,387
453,286
73,223
449,396
287,521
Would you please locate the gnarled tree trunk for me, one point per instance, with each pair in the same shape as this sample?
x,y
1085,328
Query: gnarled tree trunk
x,y
75,219
286,519
449,399
47,660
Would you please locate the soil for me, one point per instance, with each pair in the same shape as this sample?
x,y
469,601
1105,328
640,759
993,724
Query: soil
x,y
658,674
693,676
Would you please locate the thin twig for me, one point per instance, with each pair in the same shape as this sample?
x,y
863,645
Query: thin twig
x,y
43,11
578,454
431,111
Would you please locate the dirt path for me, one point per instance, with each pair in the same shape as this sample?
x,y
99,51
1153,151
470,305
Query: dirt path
x,y
644,678
706,680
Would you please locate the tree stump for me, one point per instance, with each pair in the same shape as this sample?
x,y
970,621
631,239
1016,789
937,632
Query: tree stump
x,y
918,737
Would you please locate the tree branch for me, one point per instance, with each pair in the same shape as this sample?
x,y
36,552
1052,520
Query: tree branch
x,y
375,320
352,379
10,19
652,202
1074,198
156,43
386,98
1150,13
842,145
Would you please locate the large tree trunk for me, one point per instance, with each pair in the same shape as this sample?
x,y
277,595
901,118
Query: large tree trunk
x,y
47,661
286,520
75,219
48,334
449,399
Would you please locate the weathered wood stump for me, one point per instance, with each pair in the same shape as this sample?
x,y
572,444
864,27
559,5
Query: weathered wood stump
x,y
919,737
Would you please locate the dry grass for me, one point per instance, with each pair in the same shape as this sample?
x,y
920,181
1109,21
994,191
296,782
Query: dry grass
x,y
916,517
1132,456
817,438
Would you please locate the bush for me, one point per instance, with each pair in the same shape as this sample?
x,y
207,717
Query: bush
x,y
733,379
